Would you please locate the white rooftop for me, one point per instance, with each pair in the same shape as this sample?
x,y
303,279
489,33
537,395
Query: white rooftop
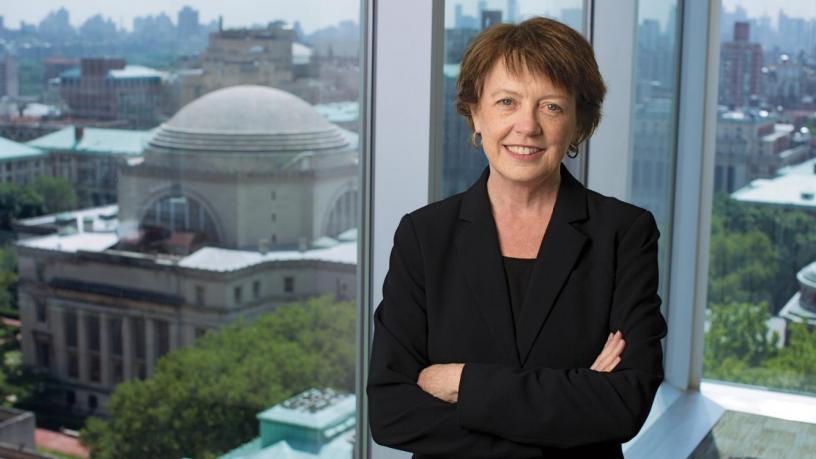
x,y
794,185
343,250
792,189
224,260
91,242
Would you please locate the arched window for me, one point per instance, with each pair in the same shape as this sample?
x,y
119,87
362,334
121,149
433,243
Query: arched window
x,y
181,213
343,214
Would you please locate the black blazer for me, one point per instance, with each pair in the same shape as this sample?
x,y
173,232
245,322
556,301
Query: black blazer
x,y
529,392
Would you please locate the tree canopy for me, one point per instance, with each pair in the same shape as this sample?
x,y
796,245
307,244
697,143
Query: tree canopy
x,y
756,251
202,400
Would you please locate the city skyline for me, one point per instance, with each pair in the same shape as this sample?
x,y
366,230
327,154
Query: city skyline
x,y
312,14
804,9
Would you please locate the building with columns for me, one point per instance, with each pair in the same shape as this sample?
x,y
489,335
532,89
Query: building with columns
x,y
243,201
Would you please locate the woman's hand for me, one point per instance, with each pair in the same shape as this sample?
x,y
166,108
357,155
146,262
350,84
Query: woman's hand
x,y
441,380
609,357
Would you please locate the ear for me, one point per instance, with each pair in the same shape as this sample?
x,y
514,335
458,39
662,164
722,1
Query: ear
x,y
475,116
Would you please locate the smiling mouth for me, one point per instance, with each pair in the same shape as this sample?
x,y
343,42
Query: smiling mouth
x,y
520,150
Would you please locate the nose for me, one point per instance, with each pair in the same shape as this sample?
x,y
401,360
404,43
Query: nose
x,y
527,122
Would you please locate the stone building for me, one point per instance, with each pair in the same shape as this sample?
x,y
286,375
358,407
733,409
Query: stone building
x,y
243,201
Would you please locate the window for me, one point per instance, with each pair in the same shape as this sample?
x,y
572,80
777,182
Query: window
x,y
657,57
138,343
199,295
186,159
92,326
459,163
115,326
41,310
288,284
73,364
762,260
71,332
95,368
162,337
43,354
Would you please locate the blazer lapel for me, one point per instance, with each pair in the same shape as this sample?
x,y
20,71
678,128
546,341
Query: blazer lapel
x,y
478,245
559,250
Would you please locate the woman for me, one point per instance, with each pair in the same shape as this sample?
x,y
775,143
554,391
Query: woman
x,y
501,330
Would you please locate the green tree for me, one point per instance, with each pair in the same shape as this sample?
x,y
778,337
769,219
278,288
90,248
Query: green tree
x,y
58,194
202,400
795,365
18,201
792,238
737,338
8,278
742,265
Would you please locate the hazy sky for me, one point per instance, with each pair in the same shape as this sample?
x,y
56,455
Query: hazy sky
x,y
796,8
312,14
649,8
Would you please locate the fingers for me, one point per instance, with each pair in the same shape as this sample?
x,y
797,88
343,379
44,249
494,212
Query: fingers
x,y
596,365
609,357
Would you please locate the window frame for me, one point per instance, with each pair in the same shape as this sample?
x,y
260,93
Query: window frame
x,y
404,164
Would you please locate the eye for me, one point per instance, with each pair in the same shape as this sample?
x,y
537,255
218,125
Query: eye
x,y
553,107
506,101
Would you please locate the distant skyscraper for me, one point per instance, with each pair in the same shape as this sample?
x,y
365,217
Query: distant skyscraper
x,y
740,68
512,11
9,82
490,17
187,22
108,89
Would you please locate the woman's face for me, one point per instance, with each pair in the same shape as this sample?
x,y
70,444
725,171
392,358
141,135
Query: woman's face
x,y
526,123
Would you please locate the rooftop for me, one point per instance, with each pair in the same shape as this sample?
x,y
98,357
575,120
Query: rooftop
x,y
794,185
74,238
11,150
317,423
95,141
792,189
130,71
337,112
314,409
248,118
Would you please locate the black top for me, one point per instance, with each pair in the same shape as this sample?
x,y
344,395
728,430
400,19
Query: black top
x,y
517,272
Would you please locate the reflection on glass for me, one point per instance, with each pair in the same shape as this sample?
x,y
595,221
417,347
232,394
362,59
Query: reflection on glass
x,y
762,276
461,163
653,120
179,204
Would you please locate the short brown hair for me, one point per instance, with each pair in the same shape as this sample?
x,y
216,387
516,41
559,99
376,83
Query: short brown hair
x,y
543,47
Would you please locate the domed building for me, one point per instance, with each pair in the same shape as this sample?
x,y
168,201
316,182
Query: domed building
x,y
244,167
244,201
802,306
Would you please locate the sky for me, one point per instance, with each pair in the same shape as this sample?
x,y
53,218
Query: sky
x,y
312,14
648,8
756,8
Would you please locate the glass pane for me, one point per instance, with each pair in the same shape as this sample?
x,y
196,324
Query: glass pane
x,y
653,141
762,274
143,149
461,163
